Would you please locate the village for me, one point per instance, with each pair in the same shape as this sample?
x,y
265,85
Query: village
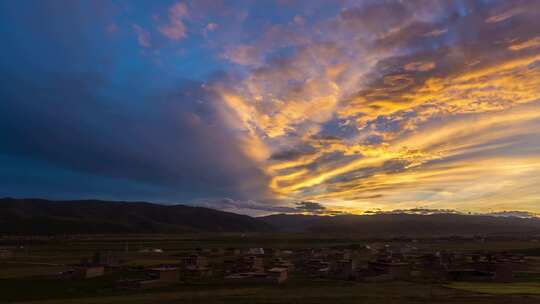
x,y
370,262
76,267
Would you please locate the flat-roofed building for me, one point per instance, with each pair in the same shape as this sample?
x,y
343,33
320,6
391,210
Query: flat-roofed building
x,y
281,263
278,274
88,272
166,274
255,251
194,261
254,263
343,269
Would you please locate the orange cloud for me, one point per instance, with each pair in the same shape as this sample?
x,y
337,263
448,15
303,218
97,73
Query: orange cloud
x,y
388,129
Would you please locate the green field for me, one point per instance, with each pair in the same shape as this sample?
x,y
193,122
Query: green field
x,y
525,288
294,291
27,277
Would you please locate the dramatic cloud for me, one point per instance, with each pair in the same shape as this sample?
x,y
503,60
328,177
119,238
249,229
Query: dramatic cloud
x,y
250,207
396,103
345,106
310,207
314,208
92,129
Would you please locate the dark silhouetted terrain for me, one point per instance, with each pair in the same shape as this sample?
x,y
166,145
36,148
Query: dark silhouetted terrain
x,y
405,224
35,216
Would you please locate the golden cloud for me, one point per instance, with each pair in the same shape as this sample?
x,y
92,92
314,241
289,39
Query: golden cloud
x,y
437,129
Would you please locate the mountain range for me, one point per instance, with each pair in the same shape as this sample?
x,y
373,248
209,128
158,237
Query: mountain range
x,y
38,216
400,224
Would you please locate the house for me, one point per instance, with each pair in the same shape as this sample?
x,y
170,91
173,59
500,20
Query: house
x,y
278,274
233,251
318,268
321,252
254,263
196,266
166,274
231,266
343,269
271,252
285,252
255,251
195,261
87,272
281,263
245,264
151,251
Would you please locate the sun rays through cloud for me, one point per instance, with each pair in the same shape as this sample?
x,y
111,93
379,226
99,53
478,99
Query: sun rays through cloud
x,y
379,107
341,106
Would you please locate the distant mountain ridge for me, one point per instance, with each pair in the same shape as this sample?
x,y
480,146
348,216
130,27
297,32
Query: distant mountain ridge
x,y
37,216
405,224
40,217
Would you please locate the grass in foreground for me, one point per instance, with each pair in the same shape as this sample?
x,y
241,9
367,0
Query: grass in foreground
x,y
526,288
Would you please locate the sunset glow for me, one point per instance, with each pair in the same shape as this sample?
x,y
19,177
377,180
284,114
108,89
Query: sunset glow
x,y
256,106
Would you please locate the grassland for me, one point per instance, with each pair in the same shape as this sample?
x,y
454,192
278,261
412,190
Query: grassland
x,y
26,278
530,288
294,291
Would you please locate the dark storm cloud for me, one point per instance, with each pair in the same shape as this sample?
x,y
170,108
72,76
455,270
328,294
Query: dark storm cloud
x,y
251,207
65,107
169,140
310,207
315,208
358,103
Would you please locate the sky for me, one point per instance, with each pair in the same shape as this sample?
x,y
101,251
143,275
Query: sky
x,y
323,106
